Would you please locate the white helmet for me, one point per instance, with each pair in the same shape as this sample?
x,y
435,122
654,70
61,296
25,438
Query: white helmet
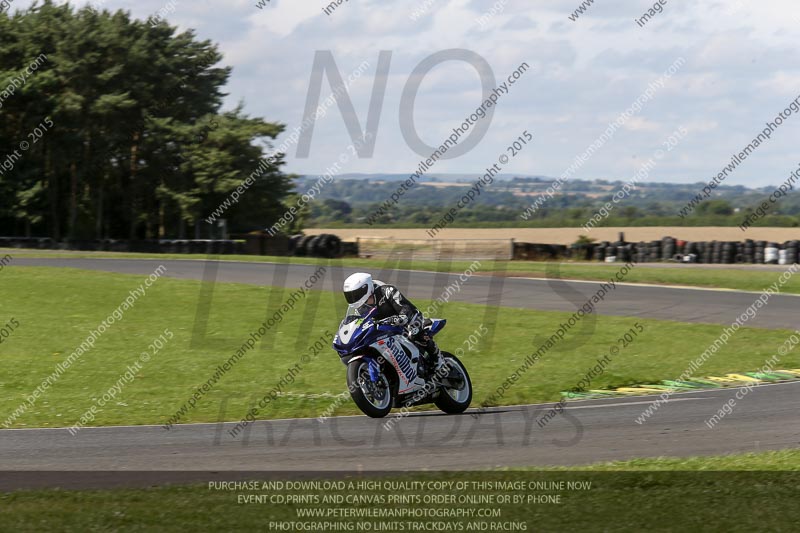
x,y
358,288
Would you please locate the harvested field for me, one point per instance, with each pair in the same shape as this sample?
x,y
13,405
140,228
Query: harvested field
x,y
570,235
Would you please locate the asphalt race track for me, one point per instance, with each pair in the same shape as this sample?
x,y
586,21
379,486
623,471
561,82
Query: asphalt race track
x,y
631,300
588,431
768,418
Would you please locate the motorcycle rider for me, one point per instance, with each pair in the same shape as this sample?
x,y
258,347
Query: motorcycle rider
x,y
364,293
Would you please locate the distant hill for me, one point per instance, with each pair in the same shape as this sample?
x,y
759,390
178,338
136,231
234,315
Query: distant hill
x,y
427,177
351,199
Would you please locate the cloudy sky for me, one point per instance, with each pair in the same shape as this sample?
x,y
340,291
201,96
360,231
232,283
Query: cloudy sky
x,y
741,69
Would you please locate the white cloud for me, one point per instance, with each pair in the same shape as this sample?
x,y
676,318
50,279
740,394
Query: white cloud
x,y
741,69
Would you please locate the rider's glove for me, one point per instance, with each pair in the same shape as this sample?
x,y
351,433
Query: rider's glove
x,y
413,326
399,320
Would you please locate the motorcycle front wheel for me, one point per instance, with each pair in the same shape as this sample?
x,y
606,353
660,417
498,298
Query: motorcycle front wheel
x,y
373,398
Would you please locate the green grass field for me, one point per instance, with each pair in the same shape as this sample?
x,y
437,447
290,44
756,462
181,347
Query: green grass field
x,y
738,279
56,308
730,493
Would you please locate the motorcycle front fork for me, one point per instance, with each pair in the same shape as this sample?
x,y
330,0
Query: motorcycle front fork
x,y
374,370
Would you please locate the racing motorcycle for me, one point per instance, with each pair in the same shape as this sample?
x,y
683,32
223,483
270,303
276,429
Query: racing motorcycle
x,y
383,367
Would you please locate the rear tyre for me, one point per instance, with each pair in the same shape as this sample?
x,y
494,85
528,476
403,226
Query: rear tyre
x,y
455,400
374,399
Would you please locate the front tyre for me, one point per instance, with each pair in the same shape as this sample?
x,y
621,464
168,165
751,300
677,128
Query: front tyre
x,y
455,393
373,398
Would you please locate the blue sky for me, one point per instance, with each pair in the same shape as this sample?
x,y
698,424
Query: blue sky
x,y
741,69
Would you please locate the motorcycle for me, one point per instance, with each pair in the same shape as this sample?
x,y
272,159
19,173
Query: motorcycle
x,y
383,367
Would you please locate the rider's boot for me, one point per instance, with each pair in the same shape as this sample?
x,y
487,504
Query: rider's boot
x,y
432,359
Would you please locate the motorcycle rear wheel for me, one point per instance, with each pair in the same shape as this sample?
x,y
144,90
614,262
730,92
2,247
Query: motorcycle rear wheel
x,y
450,400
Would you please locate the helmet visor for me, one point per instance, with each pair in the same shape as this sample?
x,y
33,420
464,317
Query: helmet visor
x,y
356,294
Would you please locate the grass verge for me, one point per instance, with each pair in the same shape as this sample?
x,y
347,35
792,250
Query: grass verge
x,y
56,308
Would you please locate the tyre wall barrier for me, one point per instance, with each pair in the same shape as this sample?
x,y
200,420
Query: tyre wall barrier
x,y
326,245
331,246
711,252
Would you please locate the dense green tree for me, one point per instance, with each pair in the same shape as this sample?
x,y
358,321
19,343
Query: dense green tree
x,y
130,139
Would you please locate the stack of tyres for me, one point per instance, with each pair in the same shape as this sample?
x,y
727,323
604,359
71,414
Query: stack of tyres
x,y
727,253
600,251
582,252
655,251
759,254
611,251
705,252
718,251
691,252
314,246
682,250
294,242
623,252
667,248
642,252
791,248
771,254
323,245
738,256
302,245
749,251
